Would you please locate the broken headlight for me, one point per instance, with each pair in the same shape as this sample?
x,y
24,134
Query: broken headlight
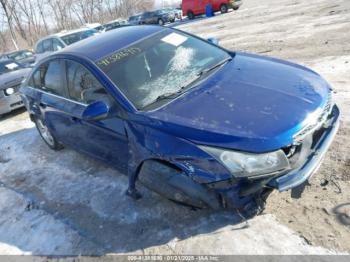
x,y
249,164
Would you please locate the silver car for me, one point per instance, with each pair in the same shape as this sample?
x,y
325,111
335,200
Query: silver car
x,y
11,76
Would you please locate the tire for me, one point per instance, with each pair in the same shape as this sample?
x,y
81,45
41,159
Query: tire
x,y
235,7
190,15
46,135
160,22
223,8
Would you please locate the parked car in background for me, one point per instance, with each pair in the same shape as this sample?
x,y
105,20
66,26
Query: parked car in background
x,y
25,57
176,11
11,76
159,17
192,8
135,19
115,24
194,122
96,26
58,41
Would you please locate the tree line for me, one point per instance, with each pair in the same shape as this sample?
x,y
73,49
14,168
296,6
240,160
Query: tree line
x,y
23,22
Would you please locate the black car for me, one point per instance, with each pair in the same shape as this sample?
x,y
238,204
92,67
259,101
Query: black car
x,y
135,19
159,17
11,76
25,57
115,24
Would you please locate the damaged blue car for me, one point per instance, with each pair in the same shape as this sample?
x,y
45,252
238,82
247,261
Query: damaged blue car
x,y
192,121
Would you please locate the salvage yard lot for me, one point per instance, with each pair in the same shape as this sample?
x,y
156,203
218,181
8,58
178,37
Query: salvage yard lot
x,y
65,203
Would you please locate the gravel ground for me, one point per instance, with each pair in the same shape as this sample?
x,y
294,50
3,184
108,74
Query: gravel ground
x,y
64,203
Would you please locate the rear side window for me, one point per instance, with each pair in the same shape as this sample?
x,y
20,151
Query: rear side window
x,y
48,77
83,86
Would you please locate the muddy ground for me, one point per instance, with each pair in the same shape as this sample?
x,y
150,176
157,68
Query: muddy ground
x,y
65,203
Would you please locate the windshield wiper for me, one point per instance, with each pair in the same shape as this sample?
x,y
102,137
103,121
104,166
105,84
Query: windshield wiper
x,y
207,70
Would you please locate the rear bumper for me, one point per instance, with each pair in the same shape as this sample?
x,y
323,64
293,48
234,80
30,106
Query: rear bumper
x,y
9,103
299,176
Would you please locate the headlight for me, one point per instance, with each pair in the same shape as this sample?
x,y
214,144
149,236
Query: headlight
x,y
248,164
9,91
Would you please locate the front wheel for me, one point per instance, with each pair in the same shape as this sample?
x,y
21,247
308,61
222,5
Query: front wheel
x,y
46,135
223,8
160,22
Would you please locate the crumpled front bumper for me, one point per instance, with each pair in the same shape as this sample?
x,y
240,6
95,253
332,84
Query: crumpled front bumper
x,y
296,177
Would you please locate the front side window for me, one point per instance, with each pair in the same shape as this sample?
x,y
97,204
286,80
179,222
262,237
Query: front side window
x,y
83,86
161,65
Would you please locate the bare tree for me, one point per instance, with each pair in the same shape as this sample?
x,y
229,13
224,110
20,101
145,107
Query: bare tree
x,y
6,7
25,21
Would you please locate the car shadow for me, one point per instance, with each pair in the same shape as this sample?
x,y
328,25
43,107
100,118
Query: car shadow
x,y
88,197
341,215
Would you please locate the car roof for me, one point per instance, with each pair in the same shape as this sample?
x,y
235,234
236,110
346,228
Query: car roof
x,y
64,33
99,46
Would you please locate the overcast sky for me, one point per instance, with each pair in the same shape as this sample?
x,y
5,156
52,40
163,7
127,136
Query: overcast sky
x,y
159,3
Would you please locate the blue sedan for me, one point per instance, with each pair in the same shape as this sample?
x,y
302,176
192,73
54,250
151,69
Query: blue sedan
x,y
192,121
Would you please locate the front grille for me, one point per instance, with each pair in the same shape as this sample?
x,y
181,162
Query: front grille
x,y
318,122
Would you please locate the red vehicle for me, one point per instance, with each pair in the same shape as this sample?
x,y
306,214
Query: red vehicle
x,y
192,8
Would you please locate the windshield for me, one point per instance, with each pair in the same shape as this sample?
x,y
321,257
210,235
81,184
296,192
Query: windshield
x,y
75,37
20,55
162,64
8,66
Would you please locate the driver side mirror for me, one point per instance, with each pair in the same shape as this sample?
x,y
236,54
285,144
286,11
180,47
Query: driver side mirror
x,y
213,40
97,110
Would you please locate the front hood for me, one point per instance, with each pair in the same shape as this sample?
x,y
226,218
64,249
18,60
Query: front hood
x,y
13,78
253,103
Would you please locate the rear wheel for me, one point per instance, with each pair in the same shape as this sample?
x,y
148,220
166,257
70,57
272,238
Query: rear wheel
x,y
190,15
46,135
223,8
